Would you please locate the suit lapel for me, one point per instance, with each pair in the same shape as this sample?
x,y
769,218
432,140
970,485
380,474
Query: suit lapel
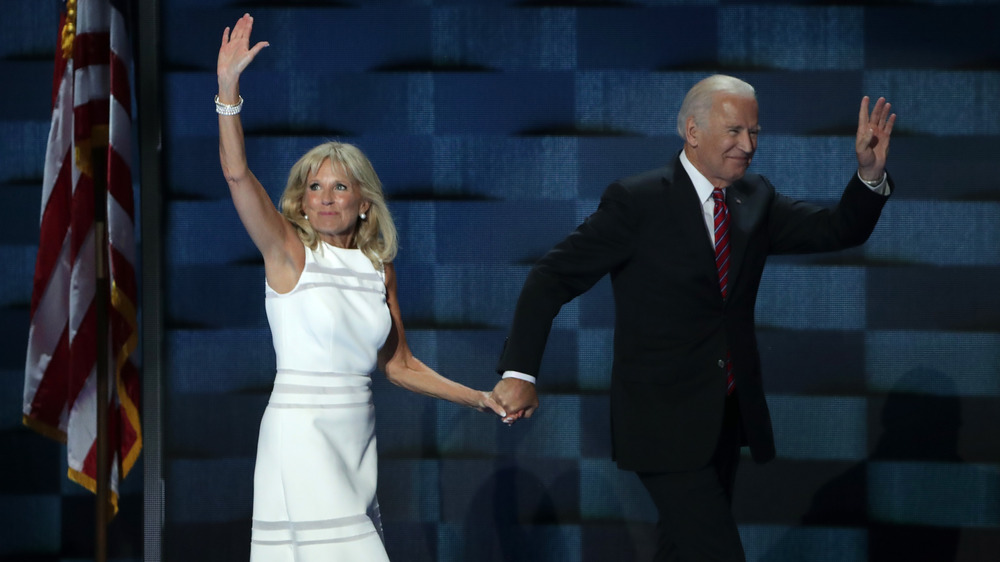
x,y
694,220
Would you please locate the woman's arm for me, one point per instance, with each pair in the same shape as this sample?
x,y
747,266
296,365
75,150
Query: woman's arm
x,y
268,229
403,369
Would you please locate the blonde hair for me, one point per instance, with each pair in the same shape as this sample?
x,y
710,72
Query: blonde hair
x,y
698,101
376,235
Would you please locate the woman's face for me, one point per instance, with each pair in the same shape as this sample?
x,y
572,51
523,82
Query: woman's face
x,y
332,202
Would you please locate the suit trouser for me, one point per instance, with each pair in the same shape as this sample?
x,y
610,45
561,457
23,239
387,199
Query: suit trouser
x,y
695,507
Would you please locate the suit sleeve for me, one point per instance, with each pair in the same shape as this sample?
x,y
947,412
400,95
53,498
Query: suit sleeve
x,y
797,227
604,241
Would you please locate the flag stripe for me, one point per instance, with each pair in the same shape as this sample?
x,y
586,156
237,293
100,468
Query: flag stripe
x,y
48,403
93,48
119,85
82,219
120,192
54,228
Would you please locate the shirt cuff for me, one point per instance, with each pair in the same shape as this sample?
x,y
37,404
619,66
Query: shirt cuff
x,y
882,187
517,375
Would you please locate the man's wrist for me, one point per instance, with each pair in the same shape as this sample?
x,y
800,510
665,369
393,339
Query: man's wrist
x,y
873,183
518,375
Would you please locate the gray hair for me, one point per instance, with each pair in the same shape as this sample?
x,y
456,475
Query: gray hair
x,y
698,101
376,235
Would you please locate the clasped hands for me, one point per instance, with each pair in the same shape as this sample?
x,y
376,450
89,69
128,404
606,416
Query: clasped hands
x,y
517,398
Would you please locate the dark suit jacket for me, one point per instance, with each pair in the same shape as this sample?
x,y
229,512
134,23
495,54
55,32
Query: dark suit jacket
x,y
672,327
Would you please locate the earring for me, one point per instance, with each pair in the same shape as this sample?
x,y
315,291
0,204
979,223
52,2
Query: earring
x,y
305,216
363,216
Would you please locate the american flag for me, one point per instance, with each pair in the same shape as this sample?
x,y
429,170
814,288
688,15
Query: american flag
x,y
89,145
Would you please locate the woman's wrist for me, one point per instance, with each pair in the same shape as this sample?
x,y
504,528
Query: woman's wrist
x,y
229,91
475,399
223,108
229,95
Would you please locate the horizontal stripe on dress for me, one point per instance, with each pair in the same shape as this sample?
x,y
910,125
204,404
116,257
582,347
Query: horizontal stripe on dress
x,y
305,389
323,374
318,269
319,406
303,533
309,525
313,389
308,543
380,290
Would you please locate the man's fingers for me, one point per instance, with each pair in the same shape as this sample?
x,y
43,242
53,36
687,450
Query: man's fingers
x,y
880,114
890,123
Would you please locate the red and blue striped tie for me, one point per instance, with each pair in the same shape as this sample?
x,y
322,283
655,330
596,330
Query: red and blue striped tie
x,y
722,264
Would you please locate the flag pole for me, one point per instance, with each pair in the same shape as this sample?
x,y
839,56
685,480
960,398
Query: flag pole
x,y
103,290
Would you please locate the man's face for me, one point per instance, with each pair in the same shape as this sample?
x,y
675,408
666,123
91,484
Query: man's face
x,y
723,148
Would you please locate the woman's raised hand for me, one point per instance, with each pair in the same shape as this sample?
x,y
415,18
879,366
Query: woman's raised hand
x,y
235,55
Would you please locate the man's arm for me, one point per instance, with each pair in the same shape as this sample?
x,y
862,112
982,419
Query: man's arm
x,y
800,227
604,240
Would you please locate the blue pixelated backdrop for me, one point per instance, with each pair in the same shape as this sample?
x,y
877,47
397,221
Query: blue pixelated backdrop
x,y
495,126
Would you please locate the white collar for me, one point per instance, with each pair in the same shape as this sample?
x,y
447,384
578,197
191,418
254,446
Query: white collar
x,y
702,186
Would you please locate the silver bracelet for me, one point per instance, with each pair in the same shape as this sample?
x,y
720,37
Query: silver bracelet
x,y
226,109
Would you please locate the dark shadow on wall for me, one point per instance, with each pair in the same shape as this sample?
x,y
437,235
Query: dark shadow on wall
x,y
914,428
533,513
508,517
517,513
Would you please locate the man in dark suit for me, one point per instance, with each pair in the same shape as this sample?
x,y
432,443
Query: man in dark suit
x,y
685,246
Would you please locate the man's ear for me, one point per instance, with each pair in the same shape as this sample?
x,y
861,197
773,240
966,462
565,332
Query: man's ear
x,y
692,132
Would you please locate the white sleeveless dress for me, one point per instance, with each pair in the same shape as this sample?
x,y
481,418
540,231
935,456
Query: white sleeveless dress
x,y
316,471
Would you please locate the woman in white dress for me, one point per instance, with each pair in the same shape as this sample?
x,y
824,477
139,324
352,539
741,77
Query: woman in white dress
x,y
330,296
